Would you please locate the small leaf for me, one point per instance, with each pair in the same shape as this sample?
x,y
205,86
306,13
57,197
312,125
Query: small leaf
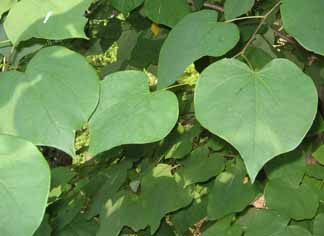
x,y
319,154
166,12
200,167
24,188
51,100
290,167
298,203
293,230
161,193
304,20
318,229
261,222
130,113
261,113
235,8
183,47
229,195
126,6
46,19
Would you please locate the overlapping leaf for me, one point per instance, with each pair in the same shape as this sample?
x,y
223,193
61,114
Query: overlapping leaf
x,y
24,187
304,20
235,8
51,100
160,193
166,12
182,47
128,113
262,114
46,19
125,6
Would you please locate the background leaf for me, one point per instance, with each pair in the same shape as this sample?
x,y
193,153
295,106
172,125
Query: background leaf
x,y
235,8
297,22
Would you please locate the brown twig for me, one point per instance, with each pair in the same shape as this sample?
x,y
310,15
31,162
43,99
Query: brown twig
x,y
214,7
257,30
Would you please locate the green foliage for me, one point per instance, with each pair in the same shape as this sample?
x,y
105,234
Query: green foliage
x,y
248,106
25,179
182,47
161,117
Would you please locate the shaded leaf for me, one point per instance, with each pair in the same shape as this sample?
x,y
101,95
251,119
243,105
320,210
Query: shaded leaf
x,y
297,202
307,30
235,8
136,210
126,6
166,12
229,195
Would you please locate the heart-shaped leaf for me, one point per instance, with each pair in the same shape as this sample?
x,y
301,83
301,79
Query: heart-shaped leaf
x,y
24,186
261,113
182,47
129,114
141,210
46,19
51,100
304,20
299,203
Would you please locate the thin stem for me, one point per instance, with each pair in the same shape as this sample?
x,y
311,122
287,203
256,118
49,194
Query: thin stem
x,y
5,43
244,18
214,7
247,61
175,86
257,30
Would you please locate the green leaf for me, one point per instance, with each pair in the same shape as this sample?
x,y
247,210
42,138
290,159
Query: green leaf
x,y
24,188
229,195
46,19
183,47
261,113
161,193
180,141
166,12
304,20
318,229
290,167
5,5
261,222
235,8
126,6
319,154
45,228
130,113
113,177
293,230
223,228
298,203
53,98
200,166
